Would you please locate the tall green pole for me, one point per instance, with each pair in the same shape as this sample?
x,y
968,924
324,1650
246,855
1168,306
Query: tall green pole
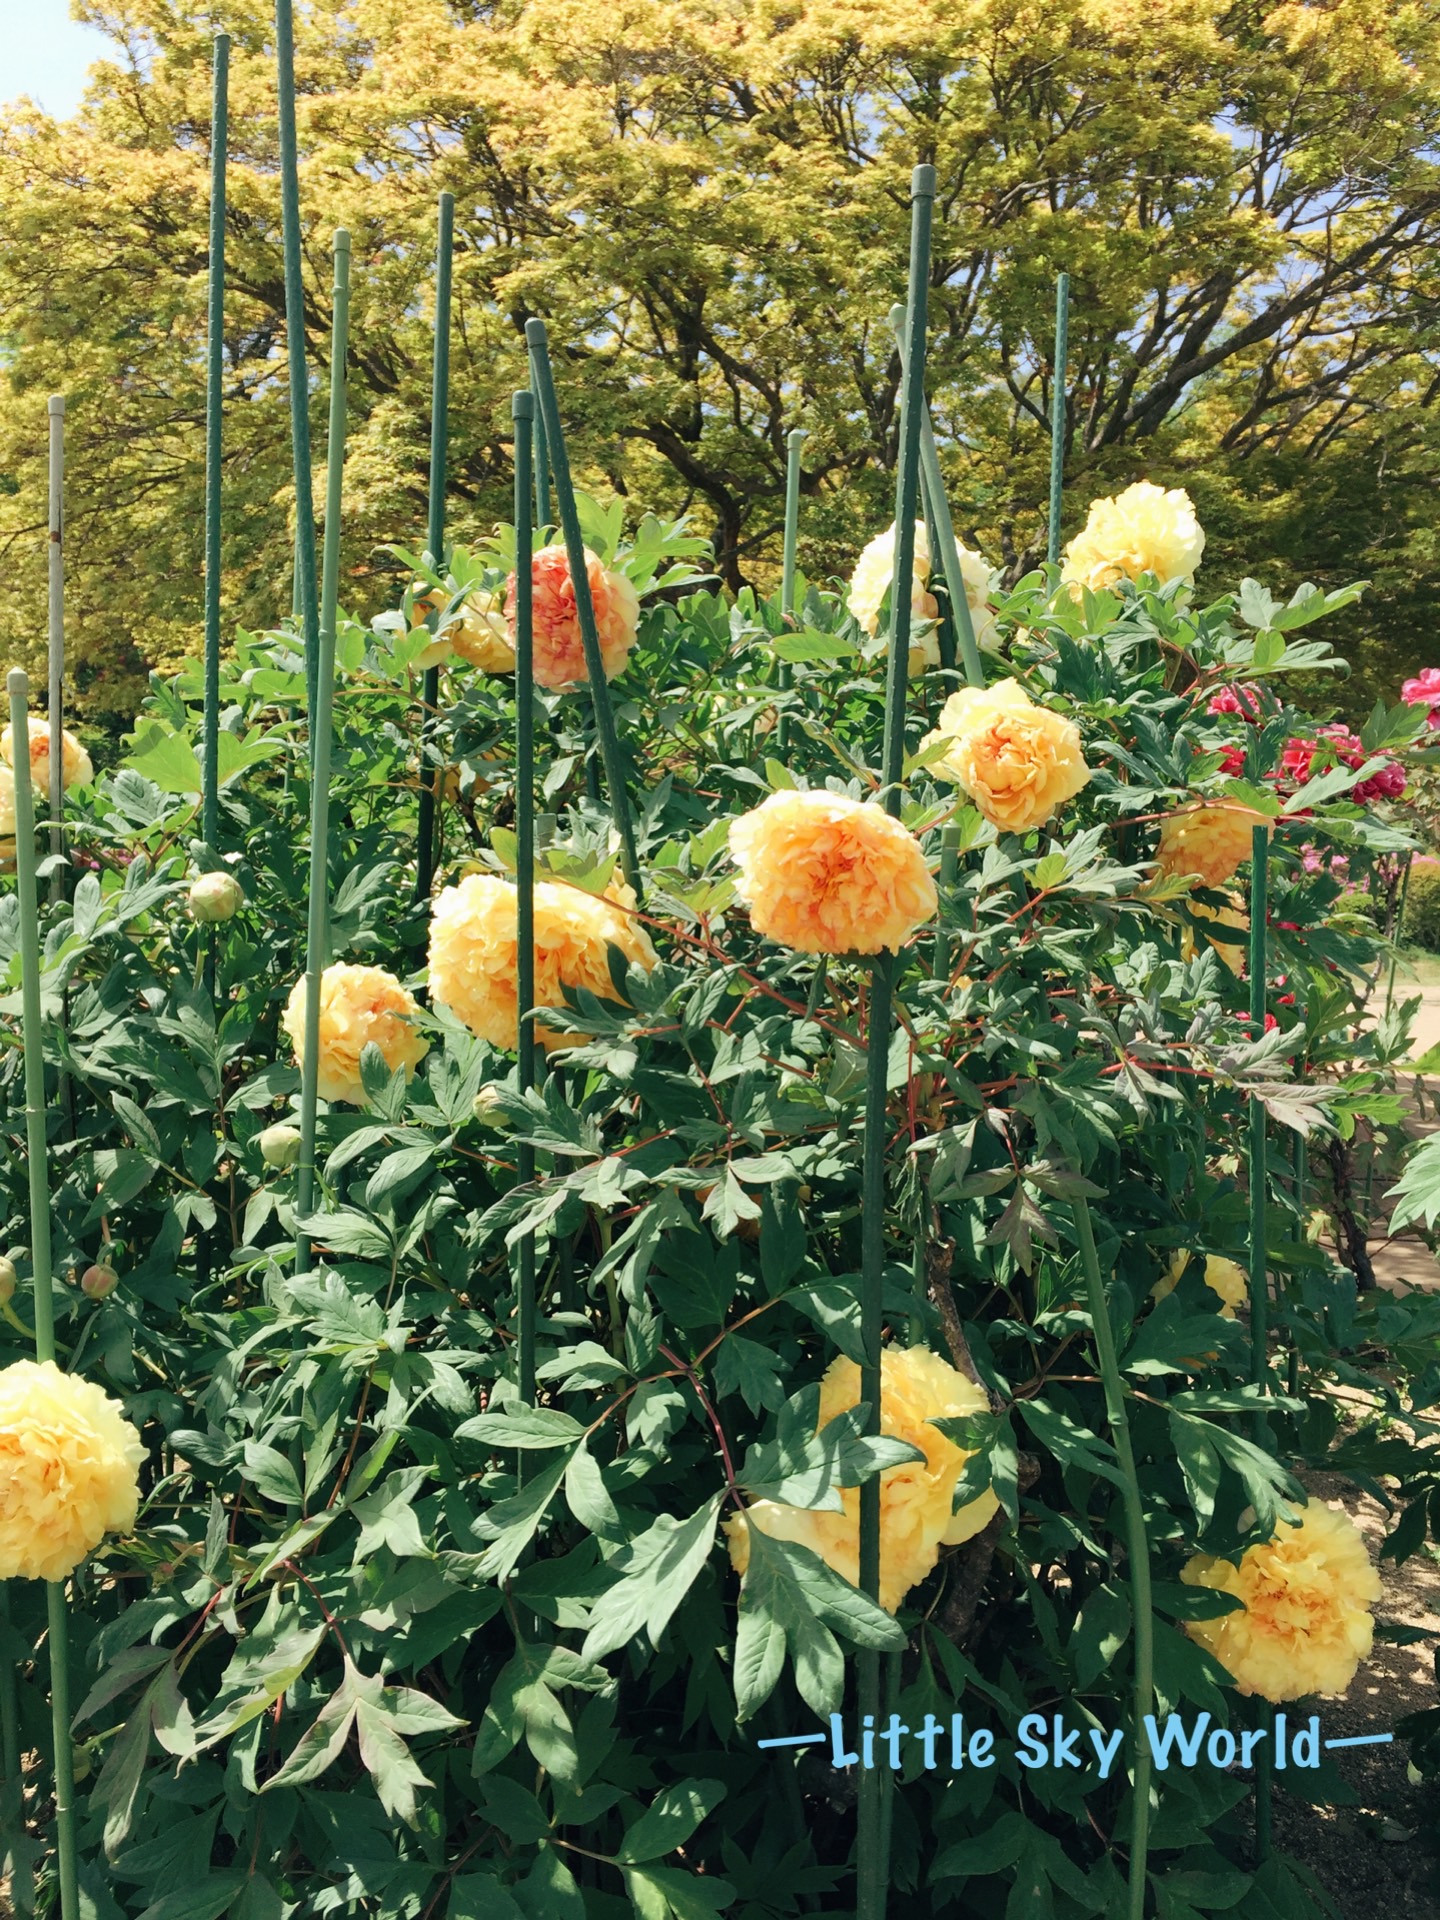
x,y
794,441
439,458
1138,1545
938,502
38,1163
523,410
305,593
540,449
540,372
1259,1279
1058,415
870,1853
214,400
55,555
322,730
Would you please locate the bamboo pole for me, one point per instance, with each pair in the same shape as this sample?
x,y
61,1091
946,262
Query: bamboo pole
x,y
55,596
1138,1548
871,1852
214,402
435,537
1259,1279
544,379
37,1157
938,503
322,732
305,592
523,410
1058,416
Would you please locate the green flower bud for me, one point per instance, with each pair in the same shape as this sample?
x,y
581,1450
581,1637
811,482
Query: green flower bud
x,y
280,1145
97,1281
486,1108
216,896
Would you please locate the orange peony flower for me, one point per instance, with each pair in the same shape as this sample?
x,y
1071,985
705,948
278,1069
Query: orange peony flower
x,y
1207,843
559,653
916,1497
77,769
825,874
1306,1625
474,951
1018,762
359,1007
69,1470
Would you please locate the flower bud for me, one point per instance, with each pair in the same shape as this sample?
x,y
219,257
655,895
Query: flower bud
x,y
216,896
486,1107
280,1145
8,1278
97,1281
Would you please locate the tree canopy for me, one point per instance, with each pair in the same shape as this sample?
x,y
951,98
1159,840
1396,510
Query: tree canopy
x,y
708,204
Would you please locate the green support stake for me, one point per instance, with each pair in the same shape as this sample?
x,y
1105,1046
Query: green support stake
x,y
1138,1547
305,595
1259,1279
55,798
870,1849
38,1164
322,732
541,455
435,537
544,380
523,411
794,440
1058,416
938,504
214,400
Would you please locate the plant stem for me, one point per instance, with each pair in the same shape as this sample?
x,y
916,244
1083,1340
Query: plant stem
x,y
1138,1549
307,605
32,1035
1058,416
435,538
12,1784
55,799
541,374
322,733
938,502
949,872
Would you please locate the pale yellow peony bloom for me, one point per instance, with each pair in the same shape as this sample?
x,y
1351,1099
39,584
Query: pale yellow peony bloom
x,y
874,573
1145,529
475,948
916,1497
1306,1625
475,634
1207,843
822,873
1223,1276
69,1470
77,769
1231,952
7,802
359,1007
1018,762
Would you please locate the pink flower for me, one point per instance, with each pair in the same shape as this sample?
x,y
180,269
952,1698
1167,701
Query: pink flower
x,y
1424,691
559,653
1297,764
1232,762
1242,700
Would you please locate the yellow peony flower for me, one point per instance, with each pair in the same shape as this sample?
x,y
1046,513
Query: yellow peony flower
x,y
1018,762
69,1470
475,634
76,767
875,572
1231,952
359,1007
825,874
916,1520
1207,843
1306,1625
7,802
1145,529
1223,1276
474,951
